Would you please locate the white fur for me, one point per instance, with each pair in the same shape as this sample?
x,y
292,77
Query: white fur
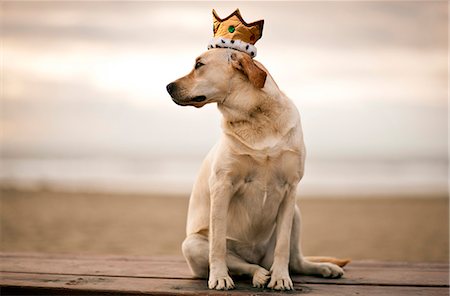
x,y
220,42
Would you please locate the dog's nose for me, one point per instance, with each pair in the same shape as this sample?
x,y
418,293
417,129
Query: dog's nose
x,y
171,87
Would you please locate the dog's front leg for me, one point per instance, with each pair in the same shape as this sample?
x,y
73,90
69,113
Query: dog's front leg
x,y
280,279
221,193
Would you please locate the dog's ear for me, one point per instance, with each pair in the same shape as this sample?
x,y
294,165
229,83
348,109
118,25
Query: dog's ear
x,y
244,63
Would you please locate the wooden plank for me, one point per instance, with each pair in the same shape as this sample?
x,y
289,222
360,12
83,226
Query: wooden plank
x,y
359,263
358,273
386,275
98,266
45,284
89,257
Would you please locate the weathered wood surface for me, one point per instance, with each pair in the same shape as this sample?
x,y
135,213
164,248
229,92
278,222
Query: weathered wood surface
x,y
46,274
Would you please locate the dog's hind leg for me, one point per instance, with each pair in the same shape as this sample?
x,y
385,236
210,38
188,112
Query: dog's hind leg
x,y
196,251
299,264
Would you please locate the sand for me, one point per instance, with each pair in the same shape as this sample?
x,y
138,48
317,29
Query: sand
x,y
400,229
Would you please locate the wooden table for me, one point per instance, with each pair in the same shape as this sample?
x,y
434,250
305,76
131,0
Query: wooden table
x,y
48,274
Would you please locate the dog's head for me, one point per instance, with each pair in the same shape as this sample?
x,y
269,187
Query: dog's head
x,y
210,80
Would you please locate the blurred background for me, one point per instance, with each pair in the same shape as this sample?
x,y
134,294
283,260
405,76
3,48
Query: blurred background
x,y
96,158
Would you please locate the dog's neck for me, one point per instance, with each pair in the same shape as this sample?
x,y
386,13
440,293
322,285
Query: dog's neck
x,y
255,117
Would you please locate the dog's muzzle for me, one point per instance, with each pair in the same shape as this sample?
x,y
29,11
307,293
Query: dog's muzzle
x,y
173,90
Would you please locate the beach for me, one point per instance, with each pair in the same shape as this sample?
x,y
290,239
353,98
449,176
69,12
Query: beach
x,y
369,228
96,158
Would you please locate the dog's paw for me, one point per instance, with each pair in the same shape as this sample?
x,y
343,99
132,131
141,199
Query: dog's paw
x,y
260,277
330,270
280,281
220,282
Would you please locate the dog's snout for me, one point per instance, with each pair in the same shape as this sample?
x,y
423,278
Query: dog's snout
x,y
171,87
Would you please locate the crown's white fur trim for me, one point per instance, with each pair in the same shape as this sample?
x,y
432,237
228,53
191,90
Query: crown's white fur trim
x,y
219,42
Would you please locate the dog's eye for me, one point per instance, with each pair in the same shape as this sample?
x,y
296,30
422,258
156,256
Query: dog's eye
x,y
198,65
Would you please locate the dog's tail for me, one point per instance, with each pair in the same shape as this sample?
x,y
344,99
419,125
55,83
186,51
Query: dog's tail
x,y
337,261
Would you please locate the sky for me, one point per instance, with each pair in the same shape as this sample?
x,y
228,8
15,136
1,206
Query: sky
x,y
83,89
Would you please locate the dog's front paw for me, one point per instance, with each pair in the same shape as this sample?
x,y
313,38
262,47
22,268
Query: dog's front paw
x,y
260,277
330,270
223,282
280,281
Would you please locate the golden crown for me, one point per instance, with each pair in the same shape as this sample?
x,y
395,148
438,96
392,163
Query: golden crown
x,y
234,32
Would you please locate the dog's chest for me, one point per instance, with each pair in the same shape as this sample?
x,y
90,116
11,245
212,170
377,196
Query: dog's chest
x,y
272,174
261,187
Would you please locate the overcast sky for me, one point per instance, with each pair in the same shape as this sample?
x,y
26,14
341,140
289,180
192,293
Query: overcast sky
x,y
88,78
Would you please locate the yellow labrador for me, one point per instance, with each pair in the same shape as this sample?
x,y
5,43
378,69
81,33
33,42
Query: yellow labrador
x,y
243,219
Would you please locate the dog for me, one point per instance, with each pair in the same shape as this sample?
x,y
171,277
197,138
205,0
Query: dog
x,y
242,217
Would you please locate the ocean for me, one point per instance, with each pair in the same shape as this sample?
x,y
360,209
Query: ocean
x,y
175,176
